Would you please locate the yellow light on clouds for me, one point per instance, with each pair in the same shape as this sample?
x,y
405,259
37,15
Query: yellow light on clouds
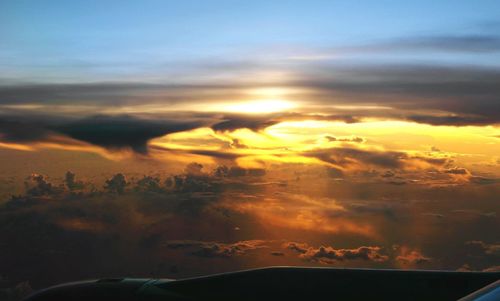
x,y
260,106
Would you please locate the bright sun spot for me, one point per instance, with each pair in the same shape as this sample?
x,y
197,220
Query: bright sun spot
x,y
260,106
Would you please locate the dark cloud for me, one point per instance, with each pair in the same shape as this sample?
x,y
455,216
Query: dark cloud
x,y
65,93
112,132
116,184
225,155
254,123
348,156
433,93
330,255
345,139
436,95
333,172
388,174
487,248
215,249
473,212
106,94
483,180
453,120
22,131
71,183
149,184
37,185
457,171
458,95
345,156
218,154
65,237
122,131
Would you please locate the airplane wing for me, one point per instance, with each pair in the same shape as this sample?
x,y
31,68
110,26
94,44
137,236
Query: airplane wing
x,y
289,283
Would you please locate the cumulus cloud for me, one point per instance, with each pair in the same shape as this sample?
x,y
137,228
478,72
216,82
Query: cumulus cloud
x,y
457,171
38,185
410,257
194,169
217,249
329,255
71,182
197,222
149,184
116,184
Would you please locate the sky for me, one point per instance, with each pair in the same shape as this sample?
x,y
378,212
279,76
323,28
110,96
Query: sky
x,y
94,41
322,133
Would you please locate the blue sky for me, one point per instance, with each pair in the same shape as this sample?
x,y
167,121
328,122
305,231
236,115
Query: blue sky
x,y
109,40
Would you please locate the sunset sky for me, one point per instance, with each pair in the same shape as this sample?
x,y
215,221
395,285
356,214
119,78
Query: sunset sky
x,y
340,126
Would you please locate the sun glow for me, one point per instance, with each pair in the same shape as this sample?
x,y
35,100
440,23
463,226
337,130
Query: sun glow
x,y
261,106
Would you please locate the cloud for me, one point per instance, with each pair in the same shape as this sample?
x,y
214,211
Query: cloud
x,y
388,174
412,257
436,94
457,171
463,95
194,224
17,129
495,268
297,247
472,43
234,122
116,184
345,139
329,255
346,157
216,249
483,180
106,94
107,131
124,131
37,185
489,249
217,154
491,214
302,213
71,183
454,120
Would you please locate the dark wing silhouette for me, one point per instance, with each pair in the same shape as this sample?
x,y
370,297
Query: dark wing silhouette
x,y
285,283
